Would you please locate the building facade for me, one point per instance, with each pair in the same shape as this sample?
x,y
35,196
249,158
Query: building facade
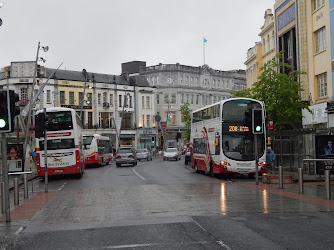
x,y
199,86
253,64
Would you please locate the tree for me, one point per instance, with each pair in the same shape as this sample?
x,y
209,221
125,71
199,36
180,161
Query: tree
x,y
186,119
279,92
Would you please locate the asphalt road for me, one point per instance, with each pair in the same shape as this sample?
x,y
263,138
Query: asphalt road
x,y
165,205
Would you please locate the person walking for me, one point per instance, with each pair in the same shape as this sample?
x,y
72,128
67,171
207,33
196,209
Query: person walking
x,y
270,160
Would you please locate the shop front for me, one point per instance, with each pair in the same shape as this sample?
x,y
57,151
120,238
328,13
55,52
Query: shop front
x,y
147,138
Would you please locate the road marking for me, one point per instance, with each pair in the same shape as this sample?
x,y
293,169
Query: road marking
x,y
62,186
218,241
18,231
159,244
138,174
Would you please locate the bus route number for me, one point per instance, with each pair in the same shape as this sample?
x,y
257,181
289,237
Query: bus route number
x,y
238,128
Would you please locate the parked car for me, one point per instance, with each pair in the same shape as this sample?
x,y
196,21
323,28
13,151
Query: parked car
x,y
144,154
126,155
172,153
187,157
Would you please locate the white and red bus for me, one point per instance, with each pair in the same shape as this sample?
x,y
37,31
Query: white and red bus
x,y
65,154
221,140
97,149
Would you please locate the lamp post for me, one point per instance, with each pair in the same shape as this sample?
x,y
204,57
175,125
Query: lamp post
x,y
45,49
167,123
85,73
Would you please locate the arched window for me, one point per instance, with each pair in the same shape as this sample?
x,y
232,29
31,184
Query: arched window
x,y
264,45
268,42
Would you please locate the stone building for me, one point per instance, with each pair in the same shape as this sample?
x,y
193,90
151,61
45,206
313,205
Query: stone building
x,y
199,86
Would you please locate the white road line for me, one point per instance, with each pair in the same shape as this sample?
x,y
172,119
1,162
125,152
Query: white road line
x,y
62,186
138,174
18,231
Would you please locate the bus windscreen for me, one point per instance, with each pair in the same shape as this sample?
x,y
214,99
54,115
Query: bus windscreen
x,y
60,120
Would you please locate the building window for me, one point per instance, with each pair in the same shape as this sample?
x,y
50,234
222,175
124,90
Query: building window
x,y
104,97
182,98
264,45
111,99
71,98
48,96
268,40
273,38
173,98
130,101
166,98
158,99
120,101
89,99
148,121
90,119
62,97
148,106
143,102
322,85
320,40
99,98
24,94
81,97
192,99
317,4
197,99
143,120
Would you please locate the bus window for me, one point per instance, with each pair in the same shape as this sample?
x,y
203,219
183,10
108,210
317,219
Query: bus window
x,y
58,144
60,120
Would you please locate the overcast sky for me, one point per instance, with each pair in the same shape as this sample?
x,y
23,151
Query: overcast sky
x,y
99,35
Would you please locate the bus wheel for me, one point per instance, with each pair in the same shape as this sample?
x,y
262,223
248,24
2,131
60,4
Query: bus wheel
x,y
251,176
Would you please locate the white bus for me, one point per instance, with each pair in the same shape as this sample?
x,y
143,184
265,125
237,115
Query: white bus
x,y
97,149
221,140
64,143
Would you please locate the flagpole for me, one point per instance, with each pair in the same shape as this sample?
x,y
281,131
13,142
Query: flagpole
x,y
203,50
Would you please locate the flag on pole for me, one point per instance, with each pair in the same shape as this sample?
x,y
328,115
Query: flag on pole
x,y
204,40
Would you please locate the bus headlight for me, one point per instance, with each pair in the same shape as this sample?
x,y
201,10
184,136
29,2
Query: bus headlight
x,y
225,164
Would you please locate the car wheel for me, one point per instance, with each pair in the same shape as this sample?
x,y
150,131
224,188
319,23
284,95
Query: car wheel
x,y
138,159
118,165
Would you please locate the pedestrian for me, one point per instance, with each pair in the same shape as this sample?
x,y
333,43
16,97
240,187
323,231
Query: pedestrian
x,y
270,160
329,148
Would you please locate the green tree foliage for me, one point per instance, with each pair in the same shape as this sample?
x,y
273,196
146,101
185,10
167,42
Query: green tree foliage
x,y
186,119
279,92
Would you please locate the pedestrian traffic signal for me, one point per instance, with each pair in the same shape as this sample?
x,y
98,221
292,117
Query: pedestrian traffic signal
x,y
14,110
5,125
40,122
248,119
257,121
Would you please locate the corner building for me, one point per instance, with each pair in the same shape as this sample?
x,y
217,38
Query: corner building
x,y
199,86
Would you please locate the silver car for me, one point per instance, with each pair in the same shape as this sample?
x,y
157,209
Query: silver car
x,y
126,155
172,153
144,154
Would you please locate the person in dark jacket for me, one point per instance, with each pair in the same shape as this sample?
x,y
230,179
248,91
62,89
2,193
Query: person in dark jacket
x,y
270,160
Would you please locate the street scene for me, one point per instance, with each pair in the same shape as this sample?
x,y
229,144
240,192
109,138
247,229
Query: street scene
x,y
166,124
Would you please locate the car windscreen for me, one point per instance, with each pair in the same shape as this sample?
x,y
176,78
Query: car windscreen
x,y
87,140
124,150
171,150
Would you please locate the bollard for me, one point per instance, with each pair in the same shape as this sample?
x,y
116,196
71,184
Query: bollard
x,y
328,184
25,184
2,197
300,180
16,191
280,176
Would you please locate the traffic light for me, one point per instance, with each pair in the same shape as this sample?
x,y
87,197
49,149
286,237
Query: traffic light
x,y
5,125
257,121
153,138
14,110
248,119
40,122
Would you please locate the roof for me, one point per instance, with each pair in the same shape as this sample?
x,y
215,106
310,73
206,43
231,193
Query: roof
x,y
79,76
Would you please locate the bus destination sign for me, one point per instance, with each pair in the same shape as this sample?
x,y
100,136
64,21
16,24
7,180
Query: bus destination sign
x,y
238,128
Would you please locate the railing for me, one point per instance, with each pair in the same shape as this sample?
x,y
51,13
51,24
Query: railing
x,y
307,161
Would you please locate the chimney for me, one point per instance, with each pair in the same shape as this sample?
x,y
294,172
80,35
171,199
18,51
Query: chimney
x,y
126,76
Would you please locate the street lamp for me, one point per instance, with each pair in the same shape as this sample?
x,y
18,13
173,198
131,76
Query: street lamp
x,y
85,73
45,49
169,106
